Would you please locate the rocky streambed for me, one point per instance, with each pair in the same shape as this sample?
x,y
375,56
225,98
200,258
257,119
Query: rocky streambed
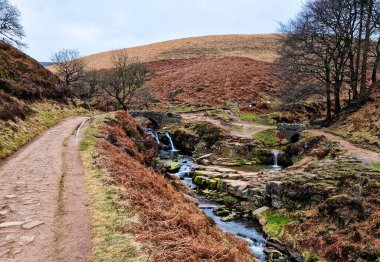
x,y
229,196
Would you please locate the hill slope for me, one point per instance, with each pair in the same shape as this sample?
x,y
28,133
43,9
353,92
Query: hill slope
x,y
258,47
214,81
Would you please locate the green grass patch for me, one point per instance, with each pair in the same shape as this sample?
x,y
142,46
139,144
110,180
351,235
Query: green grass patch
x,y
339,132
255,119
219,114
110,212
15,134
275,223
376,166
267,137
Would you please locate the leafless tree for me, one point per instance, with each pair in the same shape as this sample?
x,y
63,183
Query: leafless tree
x,y
11,29
335,42
124,79
70,67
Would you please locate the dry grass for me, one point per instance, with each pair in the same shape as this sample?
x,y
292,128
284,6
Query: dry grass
x,y
16,133
173,227
258,47
109,210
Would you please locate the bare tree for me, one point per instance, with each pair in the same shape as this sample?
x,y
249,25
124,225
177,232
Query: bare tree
x,y
332,41
124,79
70,67
11,29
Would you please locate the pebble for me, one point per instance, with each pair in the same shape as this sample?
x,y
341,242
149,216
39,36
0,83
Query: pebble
x,y
4,212
32,224
10,196
26,240
11,224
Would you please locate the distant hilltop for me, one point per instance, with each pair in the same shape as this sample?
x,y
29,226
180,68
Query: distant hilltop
x,y
258,47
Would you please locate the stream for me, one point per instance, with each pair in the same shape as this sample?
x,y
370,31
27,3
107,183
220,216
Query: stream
x,y
248,230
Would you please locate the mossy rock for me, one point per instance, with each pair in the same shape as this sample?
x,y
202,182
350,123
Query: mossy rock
x,y
200,180
174,166
230,217
219,185
221,211
211,183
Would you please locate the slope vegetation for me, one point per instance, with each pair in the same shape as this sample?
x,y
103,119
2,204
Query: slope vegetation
x,y
31,99
214,81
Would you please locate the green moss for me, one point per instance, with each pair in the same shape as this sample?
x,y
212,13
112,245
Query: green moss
x,y
219,184
228,199
267,137
275,223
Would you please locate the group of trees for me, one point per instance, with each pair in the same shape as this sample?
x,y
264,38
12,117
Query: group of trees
x,y
335,42
123,83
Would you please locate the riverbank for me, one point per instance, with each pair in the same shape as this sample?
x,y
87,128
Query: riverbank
x,y
167,225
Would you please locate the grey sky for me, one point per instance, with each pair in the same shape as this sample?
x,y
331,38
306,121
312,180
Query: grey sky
x,y
93,26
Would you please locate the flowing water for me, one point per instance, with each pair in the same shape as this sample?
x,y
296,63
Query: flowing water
x,y
154,135
276,153
171,142
250,233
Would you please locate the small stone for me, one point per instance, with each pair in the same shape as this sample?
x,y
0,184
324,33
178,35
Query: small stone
x,y
11,224
3,212
26,240
32,224
10,196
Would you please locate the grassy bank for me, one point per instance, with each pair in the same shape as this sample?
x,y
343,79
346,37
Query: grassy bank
x,y
110,212
15,134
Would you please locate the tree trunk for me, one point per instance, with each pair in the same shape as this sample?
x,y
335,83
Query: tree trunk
x,y
337,106
363,75
328,102
377,62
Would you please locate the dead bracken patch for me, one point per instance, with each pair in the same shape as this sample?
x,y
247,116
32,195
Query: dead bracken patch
x,y
173,228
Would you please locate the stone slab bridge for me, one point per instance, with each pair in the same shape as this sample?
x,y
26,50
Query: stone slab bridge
x,y
158,118
292,132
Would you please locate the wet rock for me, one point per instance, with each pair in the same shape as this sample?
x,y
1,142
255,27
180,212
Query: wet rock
x,y
174,167
221,211
230,217
260,210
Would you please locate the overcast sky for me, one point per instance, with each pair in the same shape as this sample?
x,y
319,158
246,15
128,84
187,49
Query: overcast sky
x,y
93,26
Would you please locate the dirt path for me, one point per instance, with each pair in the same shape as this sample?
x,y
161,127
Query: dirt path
x,y
238,127
366,156
44,215
247,130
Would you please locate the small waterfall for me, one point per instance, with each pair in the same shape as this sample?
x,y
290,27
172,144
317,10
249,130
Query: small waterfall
x,y
276,153
171,142
154,135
